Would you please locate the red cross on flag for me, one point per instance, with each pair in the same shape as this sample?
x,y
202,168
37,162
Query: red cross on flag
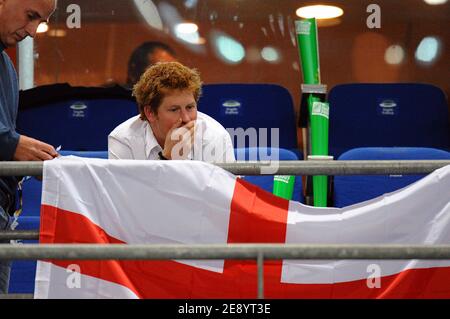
x,y
188,202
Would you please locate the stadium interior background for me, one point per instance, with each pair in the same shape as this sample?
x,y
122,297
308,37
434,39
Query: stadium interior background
x,y
248,41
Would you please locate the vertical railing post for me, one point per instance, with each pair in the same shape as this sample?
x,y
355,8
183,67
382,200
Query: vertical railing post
x,y
260,265
26,63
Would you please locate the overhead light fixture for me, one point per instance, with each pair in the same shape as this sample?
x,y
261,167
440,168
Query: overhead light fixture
x,y
190,3
319,12
270,54
231,50
57,33
428,50
150,13
188,32
42,28
435,2
186,28
226,47
394,55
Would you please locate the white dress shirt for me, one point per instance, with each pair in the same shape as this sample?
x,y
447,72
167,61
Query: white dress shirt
x,y
134,139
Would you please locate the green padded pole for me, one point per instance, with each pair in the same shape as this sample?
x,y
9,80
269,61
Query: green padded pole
x,y
318,111
283,186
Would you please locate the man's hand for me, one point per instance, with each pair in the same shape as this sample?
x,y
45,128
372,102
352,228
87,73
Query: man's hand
x,y
29,149
179,141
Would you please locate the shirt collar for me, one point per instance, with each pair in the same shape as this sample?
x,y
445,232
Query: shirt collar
x,y
150,141
2,47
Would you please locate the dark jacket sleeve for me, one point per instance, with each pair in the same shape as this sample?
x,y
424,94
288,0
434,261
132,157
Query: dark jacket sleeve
x,y
9,138
8,143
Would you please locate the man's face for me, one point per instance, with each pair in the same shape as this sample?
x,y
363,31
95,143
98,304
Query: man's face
x,y
175,105
21,18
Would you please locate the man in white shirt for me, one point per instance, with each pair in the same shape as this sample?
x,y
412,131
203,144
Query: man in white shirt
x,y
169,126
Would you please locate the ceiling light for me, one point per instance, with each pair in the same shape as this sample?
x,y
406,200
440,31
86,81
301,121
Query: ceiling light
x,y
227,48
186,28
150,13
319,12
231,50
394,55
188,32
270,54
42,28
190,3
57,33
435,2
428,50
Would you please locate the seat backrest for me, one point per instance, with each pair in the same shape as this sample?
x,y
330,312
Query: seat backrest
x,y
79,120
255,107
387,115
266,181
349,190
87,154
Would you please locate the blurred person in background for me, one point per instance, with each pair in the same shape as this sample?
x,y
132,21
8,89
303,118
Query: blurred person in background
x,y
146,55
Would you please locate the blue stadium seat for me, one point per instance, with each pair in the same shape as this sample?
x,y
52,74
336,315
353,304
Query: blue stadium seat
x,y
252,106
266,181
76,118
350,190
87,154
388,115
23,272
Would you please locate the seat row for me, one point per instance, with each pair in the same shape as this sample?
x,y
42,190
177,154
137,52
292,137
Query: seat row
x,y
361,115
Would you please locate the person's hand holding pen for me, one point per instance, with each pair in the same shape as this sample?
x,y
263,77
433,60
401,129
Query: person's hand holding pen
x,y
179,140
58,149
30,149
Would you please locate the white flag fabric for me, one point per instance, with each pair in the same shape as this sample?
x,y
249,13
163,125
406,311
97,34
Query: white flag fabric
x,y
189,202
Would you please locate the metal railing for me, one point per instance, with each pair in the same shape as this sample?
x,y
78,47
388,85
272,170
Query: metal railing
x,y
236,251
19,235
310,167
222,251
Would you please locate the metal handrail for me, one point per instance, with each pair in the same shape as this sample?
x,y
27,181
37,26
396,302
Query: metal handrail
x,y
221,251
237,251
19,235
310,167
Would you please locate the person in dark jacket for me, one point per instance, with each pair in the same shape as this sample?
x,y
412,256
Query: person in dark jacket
x,y
18,19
